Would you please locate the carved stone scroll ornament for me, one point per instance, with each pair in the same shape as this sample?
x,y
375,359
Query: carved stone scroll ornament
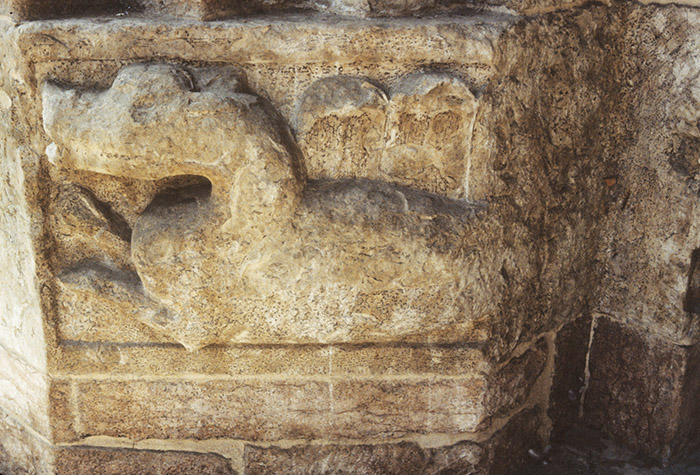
x,y
419,136
257,252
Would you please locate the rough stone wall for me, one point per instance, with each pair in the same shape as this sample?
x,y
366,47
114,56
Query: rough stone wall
x,y
581,161
644,347
652,227
24,424
540,148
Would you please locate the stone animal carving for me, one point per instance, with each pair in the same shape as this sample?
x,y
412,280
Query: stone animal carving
x,y
257,252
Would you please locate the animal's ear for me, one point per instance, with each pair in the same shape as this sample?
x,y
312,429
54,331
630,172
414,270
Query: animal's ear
x,y
158,78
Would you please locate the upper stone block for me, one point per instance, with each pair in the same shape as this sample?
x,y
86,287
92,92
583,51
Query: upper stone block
x,y
206,9
223,9
38,9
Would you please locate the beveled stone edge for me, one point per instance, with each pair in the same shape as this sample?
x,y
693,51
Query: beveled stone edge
x,y
73,360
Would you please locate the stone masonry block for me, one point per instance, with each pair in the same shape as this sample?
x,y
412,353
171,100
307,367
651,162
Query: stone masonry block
x,y
634,374
116,461
501,454
270,410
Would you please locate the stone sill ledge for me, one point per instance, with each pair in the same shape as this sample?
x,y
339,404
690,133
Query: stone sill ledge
x,y
290,39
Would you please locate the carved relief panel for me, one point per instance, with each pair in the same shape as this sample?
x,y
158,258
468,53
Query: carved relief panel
x,y
360,233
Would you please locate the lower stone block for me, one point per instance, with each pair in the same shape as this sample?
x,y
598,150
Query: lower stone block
x,y
405,458
264,410
107,461
507,450
504,453
643,391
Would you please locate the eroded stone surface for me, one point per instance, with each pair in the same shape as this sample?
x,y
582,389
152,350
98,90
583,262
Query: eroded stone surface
x,y
62,411
380,459
23,391
21,451
511,385
35,9
340,124
270,410
653,222
91,460
246,360
503,453
254,253
418,137
21,321
402,458
583,152
428,134
541,154
507,450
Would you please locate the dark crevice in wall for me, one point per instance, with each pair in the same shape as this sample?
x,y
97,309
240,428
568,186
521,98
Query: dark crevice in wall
x,y
692,295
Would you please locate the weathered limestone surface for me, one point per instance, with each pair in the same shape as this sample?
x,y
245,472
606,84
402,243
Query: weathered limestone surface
x,y
540,156
419,137
270,410
365,232
23,390
88,460
96,210
648,248
496,455
246,360
255,254
24,421
21,320
443,381
223,9
643,359
21,449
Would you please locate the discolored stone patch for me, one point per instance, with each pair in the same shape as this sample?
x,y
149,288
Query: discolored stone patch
x,y
633,374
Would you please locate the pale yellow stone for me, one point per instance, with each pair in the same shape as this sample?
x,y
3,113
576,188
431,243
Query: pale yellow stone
x,y
5,100
340,124
100,360
269,410
421,137
429,127
252,252
23,392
